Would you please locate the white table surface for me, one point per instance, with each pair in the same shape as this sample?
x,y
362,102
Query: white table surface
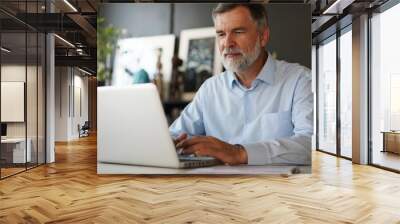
x,y
19,149
107,168
13,140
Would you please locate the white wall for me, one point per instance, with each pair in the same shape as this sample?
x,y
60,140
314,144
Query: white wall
x,y
62,81
79,117
70,84
17,73
14,73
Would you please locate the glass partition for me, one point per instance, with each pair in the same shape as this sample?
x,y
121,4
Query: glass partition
x,y
13,105
22,67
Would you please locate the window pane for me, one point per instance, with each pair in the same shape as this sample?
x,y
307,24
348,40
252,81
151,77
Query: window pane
x,y
346,94
327,97
386,88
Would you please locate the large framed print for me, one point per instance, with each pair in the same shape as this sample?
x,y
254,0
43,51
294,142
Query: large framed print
x,y
201,59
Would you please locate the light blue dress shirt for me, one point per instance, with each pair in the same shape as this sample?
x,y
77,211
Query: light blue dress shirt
x,y
273,119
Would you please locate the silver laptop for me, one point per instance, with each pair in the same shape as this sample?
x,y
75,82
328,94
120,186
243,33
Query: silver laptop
x,y
132,129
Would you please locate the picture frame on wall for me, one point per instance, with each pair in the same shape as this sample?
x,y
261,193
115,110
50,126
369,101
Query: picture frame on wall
x,y
201,59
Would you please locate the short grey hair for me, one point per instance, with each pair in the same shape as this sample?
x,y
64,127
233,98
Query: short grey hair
x,y
257,11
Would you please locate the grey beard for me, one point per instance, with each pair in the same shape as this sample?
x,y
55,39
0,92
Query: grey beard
x,y
244,62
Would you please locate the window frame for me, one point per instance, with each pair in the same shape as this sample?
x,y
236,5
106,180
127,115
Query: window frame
x,y
334,37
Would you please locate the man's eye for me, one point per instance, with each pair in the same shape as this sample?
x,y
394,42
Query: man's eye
x,y
221,34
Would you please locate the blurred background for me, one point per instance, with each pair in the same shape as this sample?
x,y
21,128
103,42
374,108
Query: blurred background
x,y
185,35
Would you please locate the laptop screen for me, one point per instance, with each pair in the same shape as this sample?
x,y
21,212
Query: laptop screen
x,y
3,129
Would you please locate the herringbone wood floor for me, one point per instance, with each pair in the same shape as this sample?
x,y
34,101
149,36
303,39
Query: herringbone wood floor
x,y
70,191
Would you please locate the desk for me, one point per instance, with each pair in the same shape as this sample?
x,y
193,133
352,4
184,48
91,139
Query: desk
x,y
107,168
17,150
391,141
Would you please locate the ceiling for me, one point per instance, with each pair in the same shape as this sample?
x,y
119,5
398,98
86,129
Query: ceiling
x,y
72,20
330,16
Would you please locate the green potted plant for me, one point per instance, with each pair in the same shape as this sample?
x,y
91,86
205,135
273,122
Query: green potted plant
x,y
107,37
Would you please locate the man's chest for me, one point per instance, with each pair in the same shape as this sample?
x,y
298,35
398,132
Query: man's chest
x,y
252,115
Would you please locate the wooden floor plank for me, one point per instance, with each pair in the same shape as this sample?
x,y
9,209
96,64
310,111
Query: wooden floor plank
x,y
70,191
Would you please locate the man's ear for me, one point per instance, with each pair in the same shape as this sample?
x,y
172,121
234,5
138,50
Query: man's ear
x,y
265,37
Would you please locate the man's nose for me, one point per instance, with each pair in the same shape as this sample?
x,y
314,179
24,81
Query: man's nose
x,y
229,41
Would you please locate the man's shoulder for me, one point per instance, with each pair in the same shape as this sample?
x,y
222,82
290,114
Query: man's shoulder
x,y
217,80
293,69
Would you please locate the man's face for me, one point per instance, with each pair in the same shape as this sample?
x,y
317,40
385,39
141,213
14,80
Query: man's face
x,y
239,39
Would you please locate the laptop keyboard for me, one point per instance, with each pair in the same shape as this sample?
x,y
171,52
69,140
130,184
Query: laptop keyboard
x,y
194,158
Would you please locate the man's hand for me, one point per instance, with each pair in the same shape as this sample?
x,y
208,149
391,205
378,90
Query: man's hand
x,y
180,138
210,146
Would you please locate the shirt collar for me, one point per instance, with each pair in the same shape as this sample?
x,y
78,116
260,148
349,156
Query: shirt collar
x,y
266,74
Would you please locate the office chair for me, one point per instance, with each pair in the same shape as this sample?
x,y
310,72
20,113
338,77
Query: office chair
x,y
84,130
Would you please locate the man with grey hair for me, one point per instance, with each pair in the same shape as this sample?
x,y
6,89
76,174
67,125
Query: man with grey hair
x,y
260,110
